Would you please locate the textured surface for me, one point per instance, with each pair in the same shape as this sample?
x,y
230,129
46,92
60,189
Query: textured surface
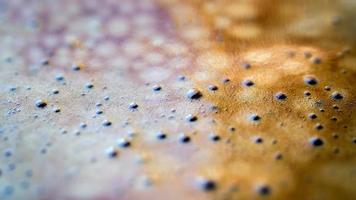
x,y
177,99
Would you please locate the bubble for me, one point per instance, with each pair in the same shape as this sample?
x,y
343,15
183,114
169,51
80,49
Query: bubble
x,y
83,125
106,123
13,88
40,103
337,96
111,152
156,88
8,190
89,85
55,91
354,140
213,87
335,135
307,93
59,77
76,67
319,126
316,60
336,107
232,129
133,106
161,135
257,139
194,94
183,138
207,185
278,156
226,80
310,80
214,137
327,88
191,118
263,190
248,83
281,96
246,65
123,142
181,78
312,116
45,62
7,152
308,54
254,117
316,141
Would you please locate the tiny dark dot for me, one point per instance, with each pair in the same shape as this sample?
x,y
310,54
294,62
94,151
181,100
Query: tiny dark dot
x,y
83,125
327,88
194,94
336,150
156,88
208,185
57,110
89,85
316,60
312,116
336,107
246,65
255,117
124,143
215,137
337,96
257,140
55,91
45,62
232,129
333,118
191,118
315,141
184,138
213,87
181,78
310,80
76,67
278,156
281,96
263,190
308,54
354,140
111,152
307,93
59,78
335,136
226,80
248,83
106,123
319,127
7,152
133,106
161,135
99,112
40,104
